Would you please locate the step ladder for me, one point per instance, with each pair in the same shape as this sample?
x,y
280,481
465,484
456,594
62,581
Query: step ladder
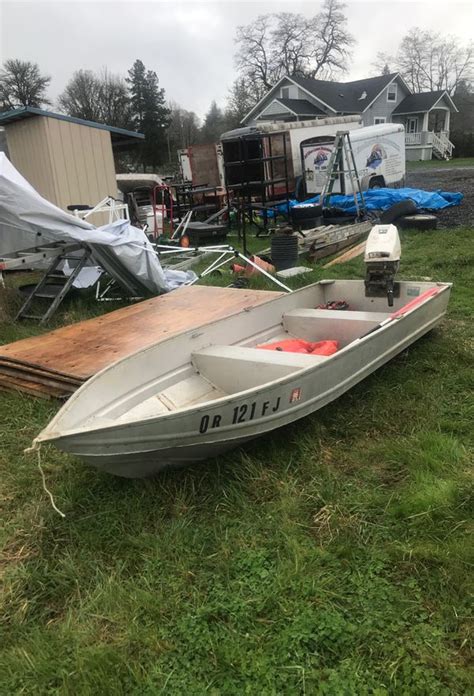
x,y
53,276
341,163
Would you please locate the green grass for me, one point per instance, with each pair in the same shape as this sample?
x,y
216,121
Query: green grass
x,y
332,557
441,164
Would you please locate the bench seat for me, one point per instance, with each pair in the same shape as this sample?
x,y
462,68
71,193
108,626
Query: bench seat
x,y
321,324
235,368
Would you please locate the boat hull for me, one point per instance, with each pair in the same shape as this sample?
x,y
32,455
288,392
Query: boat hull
x,y
144,448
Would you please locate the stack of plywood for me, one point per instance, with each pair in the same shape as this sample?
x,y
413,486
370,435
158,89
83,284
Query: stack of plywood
x,y
57,363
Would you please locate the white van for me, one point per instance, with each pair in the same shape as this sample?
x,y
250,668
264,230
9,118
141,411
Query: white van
x,y
379,153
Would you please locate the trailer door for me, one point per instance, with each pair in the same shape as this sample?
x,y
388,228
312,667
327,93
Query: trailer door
x,y
315,154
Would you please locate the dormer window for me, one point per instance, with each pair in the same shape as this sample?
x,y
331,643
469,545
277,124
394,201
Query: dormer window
x,y
285,92
392,93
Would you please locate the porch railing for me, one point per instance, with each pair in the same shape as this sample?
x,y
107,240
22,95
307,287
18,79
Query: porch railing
x,y
442,144
439,142
412,138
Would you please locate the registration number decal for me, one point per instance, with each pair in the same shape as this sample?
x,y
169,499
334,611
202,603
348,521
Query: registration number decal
x,y
240,414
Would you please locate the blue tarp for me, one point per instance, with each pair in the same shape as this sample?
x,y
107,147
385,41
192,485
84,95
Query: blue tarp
x,y
383,198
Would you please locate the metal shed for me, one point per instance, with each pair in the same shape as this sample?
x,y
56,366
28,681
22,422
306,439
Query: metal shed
x,y
67,160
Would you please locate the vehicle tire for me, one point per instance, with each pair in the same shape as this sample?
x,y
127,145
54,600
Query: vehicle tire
x,y
284,251
396,211
337,216
305,211
377,182
300,189
418,222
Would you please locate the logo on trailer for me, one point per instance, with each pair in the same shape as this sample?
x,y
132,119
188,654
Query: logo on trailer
x,y
376,156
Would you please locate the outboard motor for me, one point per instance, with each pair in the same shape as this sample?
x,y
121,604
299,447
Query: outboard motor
x,y
382,261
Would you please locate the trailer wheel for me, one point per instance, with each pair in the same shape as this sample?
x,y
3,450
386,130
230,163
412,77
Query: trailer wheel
x,y
418,222
395,211
305,211
377,182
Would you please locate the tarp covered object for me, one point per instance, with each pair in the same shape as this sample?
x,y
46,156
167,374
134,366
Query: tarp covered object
x,y
123,250
383,198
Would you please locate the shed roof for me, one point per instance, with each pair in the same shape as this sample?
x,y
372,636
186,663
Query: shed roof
x,y
117,134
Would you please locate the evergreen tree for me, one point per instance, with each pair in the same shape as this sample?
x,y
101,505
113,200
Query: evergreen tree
x,y
239,103
150,115
214,125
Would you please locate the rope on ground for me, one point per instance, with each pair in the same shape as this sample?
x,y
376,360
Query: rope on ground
x,y
36,447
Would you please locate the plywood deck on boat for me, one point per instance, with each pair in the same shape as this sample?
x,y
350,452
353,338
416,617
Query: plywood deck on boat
x,y
68,356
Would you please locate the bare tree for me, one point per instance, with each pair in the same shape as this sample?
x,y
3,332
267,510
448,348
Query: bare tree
x,y
22,84
81,96
289,44
331,41
253,59
182,131
428,61
97,97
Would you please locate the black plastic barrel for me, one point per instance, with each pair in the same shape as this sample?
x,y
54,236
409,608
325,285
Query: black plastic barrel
x,y
284,251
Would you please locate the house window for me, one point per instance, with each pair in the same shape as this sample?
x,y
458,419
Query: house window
x,y
392,93
285,92
379,119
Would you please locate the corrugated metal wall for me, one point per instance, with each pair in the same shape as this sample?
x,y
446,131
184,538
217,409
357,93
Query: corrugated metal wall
x,y
28,146
65,162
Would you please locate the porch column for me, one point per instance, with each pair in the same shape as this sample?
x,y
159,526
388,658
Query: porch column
x,y
447,121
425,121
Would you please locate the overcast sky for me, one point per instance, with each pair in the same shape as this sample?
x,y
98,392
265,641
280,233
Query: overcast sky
x,y
190,44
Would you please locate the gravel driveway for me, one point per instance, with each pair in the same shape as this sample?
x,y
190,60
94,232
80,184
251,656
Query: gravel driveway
x,y
448,179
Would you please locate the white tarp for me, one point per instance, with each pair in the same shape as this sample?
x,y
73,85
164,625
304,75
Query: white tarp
x,y
24,212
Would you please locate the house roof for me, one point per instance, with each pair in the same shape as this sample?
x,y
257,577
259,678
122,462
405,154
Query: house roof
x,y
424,101
346,96
117,134
301,107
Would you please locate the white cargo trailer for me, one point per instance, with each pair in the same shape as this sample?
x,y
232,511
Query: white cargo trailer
x,y
379,154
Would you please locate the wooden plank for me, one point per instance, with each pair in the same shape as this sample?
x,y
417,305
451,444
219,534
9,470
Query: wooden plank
x,y
80,350
347,255
35,374
328,249
34,377
23,385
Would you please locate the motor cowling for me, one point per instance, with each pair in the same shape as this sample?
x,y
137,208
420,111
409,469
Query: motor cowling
x,y
382,261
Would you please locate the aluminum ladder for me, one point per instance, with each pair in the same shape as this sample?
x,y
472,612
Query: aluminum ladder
x,y
52,300
341,163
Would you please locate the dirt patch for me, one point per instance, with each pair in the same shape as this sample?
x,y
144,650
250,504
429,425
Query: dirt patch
x,y
451,179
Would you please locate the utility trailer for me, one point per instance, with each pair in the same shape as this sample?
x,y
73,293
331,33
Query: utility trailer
x,y
379,153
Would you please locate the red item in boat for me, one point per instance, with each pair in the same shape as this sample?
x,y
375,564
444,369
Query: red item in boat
x,y
413,303
298,345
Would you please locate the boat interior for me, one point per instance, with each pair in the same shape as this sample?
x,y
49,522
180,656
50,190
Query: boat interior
x,y
220,370
225,358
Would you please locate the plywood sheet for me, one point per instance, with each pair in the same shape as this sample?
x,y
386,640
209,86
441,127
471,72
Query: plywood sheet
x,y
72,354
